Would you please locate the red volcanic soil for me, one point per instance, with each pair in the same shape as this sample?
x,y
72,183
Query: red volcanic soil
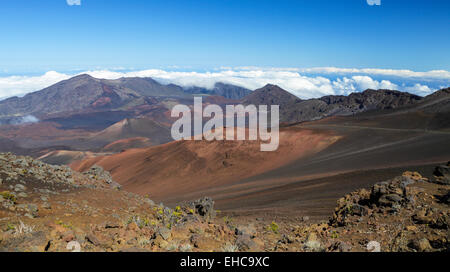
x,y
183,167
317,163
314,166
39,131
101,102
62,157
42,133
133,128
124,144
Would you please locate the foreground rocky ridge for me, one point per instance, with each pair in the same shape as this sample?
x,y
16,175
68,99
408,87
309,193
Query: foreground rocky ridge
x,y
52,208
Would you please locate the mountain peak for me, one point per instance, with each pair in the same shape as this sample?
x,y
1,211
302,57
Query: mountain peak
x,y
270,95
271,86
276,90
82,76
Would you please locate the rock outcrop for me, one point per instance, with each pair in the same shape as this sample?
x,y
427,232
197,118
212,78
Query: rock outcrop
x,y
52,208
442,174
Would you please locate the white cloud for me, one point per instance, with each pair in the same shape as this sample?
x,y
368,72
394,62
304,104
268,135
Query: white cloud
x,y
348,85
25,120
74,2
293,80
20,85
419,89
299,85
433,74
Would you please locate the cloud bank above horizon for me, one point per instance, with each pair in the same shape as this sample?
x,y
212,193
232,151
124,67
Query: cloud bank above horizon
x,y
302,82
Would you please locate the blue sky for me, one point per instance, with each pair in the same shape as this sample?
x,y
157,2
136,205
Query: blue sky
x,y
51,35
202,35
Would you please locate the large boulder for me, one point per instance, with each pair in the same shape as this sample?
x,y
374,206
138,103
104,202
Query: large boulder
x,y
387,195
442,174
204,207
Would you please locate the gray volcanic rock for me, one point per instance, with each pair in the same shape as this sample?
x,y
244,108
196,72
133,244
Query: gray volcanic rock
x,y
271,95
274,95
149,87
443,93
371,100
98,173
293,109
221,89
230,91
204,207
442,173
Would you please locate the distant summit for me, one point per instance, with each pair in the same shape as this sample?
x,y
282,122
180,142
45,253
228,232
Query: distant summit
x,y
271,95
84,92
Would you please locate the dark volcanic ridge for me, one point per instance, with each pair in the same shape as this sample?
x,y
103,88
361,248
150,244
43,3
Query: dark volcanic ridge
x,y
85,93
293,109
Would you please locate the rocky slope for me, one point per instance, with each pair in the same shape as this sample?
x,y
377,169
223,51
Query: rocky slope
x,y
271,95
230,91
370,100
85,93
172,171
407,213
51,208
132,128
72,95
221,89
293,109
